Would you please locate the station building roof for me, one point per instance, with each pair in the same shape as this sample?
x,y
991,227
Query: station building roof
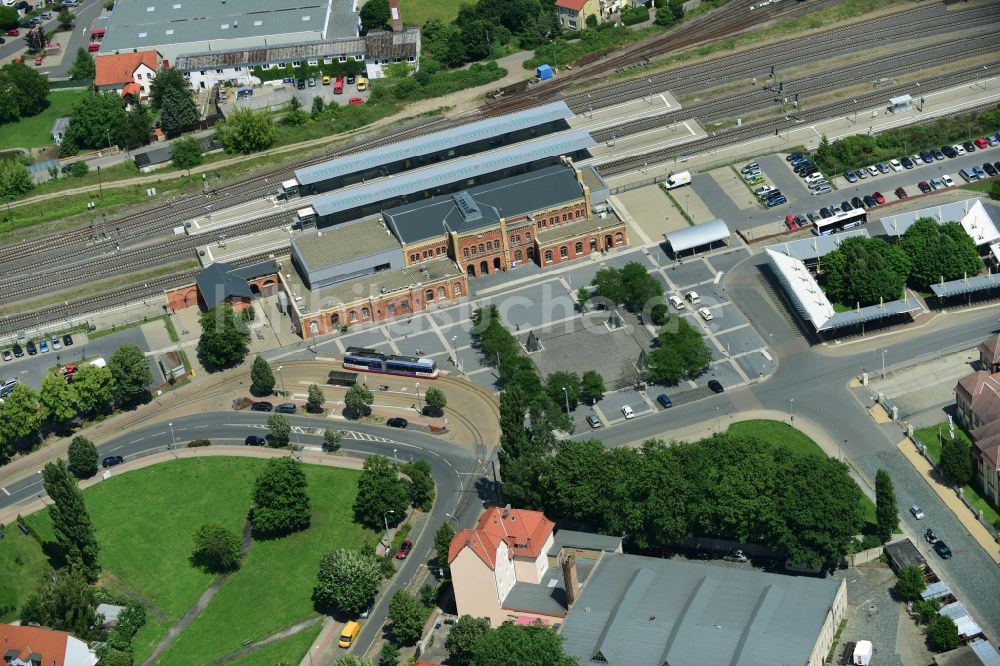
x,y
328,247
434,142
696,236
462,168
808,249
971,214
482,206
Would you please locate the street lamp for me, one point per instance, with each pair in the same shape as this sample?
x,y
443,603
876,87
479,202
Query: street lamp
x,y
566,395
394,458
282,378
883,362
419,406
386,521
791,409
172,438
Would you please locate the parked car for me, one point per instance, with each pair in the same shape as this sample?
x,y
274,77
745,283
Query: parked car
x,y
926,156
594,421
930,536
627,412
30,346
947,181
111,461
869,201
917,512
861,174
68,340
706,314
924,186
255,440
813,215
990,170
286,408
942,549
938,154
846,206
13,32
850,177
873,170
312,82
261,406
355,100
857,203
716,386
790,222
664,400
937,184
901,193
800,221
825,212
794,156
397,422
895,165
981,143
56,345
43,346
18,352
906,162
776,201
877,196
969,147
7,355
404,549
980,174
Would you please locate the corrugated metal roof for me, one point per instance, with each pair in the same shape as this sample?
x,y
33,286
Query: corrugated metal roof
x,y
971,214
702,234
817,246
966,285
462,168
434,142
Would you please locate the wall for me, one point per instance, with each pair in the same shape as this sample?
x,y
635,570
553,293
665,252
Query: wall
x,y
182,297
432,249
350,269
531,570
473,249
475,588
595,241
828,632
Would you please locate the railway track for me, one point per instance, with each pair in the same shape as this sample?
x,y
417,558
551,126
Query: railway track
x,y
795,51
758,99
766,127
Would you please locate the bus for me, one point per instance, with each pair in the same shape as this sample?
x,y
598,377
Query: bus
x,y
370,360
840,221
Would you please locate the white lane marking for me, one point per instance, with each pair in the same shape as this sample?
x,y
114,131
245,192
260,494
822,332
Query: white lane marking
x,y
5,492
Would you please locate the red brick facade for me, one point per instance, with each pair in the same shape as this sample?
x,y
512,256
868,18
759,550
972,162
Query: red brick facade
x,y
433,249
187,296
567,249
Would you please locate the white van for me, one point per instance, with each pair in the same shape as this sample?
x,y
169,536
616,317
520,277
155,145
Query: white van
x,y
676,302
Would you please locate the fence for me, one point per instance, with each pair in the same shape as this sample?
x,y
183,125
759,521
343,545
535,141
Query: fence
x,y
865,556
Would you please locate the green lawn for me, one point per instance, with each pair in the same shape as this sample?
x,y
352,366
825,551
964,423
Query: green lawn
x,y
22,564
782,433
418,12
36,131
286,651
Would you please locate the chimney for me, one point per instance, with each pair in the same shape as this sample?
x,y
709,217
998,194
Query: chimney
x,y
570,579
394,18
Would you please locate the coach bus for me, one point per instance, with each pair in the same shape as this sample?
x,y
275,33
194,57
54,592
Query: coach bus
x,y
370,360
840,221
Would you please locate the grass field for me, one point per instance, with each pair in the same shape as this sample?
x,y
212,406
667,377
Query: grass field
x,y
929,438
782,433
279,652
418,12
36,131
22,563
145,546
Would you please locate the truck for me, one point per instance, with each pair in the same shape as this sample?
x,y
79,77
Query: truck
x,y
677,179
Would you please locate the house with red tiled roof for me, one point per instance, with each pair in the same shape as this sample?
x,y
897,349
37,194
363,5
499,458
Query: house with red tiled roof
x,y
37,646
126,73
572,14
511,566
989,354
977,408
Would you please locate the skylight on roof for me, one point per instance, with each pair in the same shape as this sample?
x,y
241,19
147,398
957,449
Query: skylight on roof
x,y
224,26
170,32
141,35
150,9
306,18
258,23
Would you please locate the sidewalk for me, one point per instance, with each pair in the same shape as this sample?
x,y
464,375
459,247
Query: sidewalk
x,y
948,496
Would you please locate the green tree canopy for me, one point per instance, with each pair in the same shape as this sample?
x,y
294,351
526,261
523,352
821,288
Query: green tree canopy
x,y
331,439
138,118
347,581
407,617
57,399
26,87
942,633
315,398
421,484
560,380
19,415
223,341
592,386
521,645
186,153
178,111
910,583
442,542
131,374
956,460
97,120
82,457
280,429
95,388
886,511
380,493
631,285
357,399
680,354
9,18
216,548
64,601
865,271
167,78
436,401
246,131
15,180
461,641
71,520
83,65
939,252
280,501
261,377
294,115
374,14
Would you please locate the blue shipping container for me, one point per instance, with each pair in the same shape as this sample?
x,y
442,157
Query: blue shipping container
x,y
543,72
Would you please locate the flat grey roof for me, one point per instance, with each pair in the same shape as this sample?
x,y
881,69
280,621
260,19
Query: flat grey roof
x,y
584,541
462,168
903,553
817,246
643,611
513,196
147,24
966,285
975,218
696,236
328,247
434,142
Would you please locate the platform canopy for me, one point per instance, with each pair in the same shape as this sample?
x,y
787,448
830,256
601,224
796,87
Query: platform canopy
x,y
696,236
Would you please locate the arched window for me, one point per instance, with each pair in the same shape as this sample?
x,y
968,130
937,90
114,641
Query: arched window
x,y
391,308
365,313
527,236
579,247
619,238
353,316
442,293
457,289
548,256
517,255
429,295
465,252
489,246
335,319
482,249
473,250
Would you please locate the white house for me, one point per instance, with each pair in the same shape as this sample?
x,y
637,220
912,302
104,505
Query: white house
x,y
126,73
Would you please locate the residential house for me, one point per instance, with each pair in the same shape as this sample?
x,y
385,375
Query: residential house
x,y
38,646
977,408
572,14
126,73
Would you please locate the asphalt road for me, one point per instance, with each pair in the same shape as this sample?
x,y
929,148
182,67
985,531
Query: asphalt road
x,y
84,15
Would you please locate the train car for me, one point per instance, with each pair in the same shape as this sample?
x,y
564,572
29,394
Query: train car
x,y
370,360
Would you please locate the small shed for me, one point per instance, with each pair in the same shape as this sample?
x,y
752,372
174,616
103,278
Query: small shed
x,y
543,72
902,554
110,613
59,128
900,104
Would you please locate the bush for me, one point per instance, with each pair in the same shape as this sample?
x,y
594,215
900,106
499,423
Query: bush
x,y
633,15
79,169
659,314
195,443
942,632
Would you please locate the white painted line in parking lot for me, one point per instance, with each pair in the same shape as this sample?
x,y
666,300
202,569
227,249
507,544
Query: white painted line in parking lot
x,y
116,448
718,276
5,492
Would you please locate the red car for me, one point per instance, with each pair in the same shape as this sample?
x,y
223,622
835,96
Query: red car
x,y
981,143
790,222
901,193
924,186
879,199
13,32
404,549
356,100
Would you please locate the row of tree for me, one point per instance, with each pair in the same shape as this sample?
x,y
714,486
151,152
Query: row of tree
x,y
867,271
26,414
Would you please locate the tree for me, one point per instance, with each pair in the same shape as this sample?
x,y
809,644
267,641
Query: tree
x,y
610,285
681,353
442,542
582,296
261,377
357,400
130,372
421,484
36,39
389,656
8,18
246,131
910,583
95,388
592,386
317,108
186,153
939,252
315,399
436,401
382,495
631,285
886,511
64,601
279,428
374,14
83,65
294,115
865,271
82,457
956,461
178,111
19,417
79,169
167,78
15,180
354,660
223,341
407,617
280,502
28,88
560,380
461,641
65,20
331,439
138,118
57,399
942,632
347,581
517,645
97,120
216,549
659,314
71,521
